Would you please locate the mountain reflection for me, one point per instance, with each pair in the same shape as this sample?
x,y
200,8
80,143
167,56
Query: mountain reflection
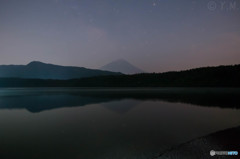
x,y
37,100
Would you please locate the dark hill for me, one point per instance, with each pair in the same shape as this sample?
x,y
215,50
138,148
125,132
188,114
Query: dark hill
x,y
39,70
222,76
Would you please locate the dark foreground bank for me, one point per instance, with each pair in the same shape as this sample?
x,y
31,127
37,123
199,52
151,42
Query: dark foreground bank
x,y
226,140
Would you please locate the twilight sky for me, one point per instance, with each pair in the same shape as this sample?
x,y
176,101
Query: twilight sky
x,y
155,35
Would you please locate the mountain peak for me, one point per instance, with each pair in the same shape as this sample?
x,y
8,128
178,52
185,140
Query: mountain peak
x,y
122,66
120,61
35,63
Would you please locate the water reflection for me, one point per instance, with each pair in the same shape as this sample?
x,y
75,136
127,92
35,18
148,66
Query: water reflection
x,y
37,100
108,123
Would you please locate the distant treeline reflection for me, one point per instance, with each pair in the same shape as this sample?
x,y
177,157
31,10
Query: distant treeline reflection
x,y
45,99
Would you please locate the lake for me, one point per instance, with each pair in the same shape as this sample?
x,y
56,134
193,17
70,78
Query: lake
x,y
110,123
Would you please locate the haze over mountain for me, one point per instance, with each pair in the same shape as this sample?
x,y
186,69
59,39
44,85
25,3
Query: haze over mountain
x,y
39,70
122,66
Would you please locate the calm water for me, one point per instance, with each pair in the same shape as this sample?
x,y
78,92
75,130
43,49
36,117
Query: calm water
x,y
109,123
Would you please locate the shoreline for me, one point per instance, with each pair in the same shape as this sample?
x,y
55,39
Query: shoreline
x,y
224,140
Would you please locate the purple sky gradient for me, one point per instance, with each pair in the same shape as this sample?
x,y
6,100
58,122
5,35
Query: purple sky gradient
x,y
155,35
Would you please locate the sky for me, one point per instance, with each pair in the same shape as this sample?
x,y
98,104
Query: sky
x,y
154,35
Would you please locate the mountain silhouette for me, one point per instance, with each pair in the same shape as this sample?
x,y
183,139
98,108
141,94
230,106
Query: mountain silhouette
x,y
39,70
220,76
122,66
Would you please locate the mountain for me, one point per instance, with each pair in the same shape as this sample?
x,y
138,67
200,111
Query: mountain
x,y
39,70
122,66
221,76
